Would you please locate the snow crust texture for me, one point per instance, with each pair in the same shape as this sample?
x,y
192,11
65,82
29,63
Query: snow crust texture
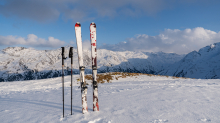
x,y
141,99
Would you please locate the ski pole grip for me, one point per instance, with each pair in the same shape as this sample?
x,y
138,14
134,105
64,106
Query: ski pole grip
x,y
71,54
63,53
63,50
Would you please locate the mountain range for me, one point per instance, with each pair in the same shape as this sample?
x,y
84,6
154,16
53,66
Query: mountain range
x,y
20,63
204,64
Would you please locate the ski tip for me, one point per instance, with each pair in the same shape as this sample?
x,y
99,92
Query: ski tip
x,y
77,24
93,24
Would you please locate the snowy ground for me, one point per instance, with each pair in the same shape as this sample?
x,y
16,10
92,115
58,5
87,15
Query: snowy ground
x,y
128,100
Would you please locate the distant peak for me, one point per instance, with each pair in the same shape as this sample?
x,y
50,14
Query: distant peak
x,y
14,48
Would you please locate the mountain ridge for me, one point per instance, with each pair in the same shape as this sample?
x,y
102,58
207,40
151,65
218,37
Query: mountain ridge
x,y
20,63
204,64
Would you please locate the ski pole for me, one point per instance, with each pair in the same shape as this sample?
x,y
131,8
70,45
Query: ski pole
x,y
63,57
71,56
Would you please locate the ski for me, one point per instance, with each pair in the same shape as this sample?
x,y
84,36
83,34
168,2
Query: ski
x,y
94,66
81,67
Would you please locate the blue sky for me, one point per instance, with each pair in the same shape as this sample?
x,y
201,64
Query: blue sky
x,y
178,26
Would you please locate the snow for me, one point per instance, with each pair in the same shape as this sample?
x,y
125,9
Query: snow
x,y
17,62
212,46
202,64
126,100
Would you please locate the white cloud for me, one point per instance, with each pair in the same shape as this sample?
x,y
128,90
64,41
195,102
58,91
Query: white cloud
x,y
86,45
175,41
72,43
31,40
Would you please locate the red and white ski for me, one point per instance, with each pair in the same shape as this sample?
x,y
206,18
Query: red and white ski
x,y
81,67
94,66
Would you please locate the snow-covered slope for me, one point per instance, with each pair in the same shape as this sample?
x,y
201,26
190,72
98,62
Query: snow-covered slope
x,y
141,99
128,61
203,64
19,63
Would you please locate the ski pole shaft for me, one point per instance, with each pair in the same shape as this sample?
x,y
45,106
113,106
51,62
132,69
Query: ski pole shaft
x,y
63,57
63,88
71,86
71,56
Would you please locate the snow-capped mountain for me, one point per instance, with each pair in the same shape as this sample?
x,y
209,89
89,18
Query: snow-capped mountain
x,y
19,63
203,64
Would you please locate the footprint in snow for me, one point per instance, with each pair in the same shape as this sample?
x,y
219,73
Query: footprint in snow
x,y
160,121
95,121
205,120
116,112
120,90
99,120
212,84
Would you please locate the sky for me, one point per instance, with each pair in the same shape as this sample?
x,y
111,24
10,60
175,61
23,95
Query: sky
x,y
171,26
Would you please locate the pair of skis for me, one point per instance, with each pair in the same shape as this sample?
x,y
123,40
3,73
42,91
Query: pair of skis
x,y
82,68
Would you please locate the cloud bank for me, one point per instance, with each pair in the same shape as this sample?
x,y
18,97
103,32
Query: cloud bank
x,y
77,10
31,40
170,41
86,45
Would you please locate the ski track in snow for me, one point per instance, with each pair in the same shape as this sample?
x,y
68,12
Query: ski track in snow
x,y
140,99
